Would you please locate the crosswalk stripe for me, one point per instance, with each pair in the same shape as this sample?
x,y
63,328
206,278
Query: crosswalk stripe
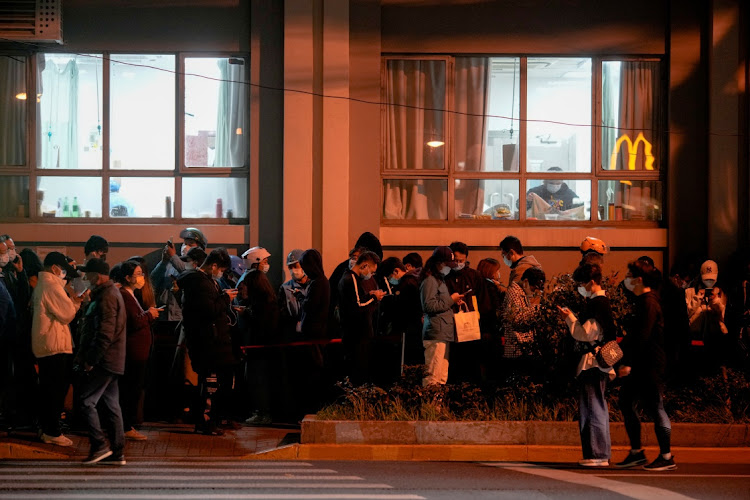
x,y
162,470
212,496
181,485
169,462
118,477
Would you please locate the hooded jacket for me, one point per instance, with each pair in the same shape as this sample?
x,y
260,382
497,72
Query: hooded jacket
x,y
53,311
520,266
562,199
316,303
103,332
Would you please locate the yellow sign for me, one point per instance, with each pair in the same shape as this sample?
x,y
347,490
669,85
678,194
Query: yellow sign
x,y
632,151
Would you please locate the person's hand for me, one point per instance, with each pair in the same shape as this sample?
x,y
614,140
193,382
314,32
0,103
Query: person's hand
x,y
18,264
529,196
232,292
154,312
535,299
457,298
623,371
239,309
564,312
378,294
169,252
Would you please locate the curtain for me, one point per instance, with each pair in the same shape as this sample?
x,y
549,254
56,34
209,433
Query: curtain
x,y
471,101
639,111
610,101
12,110
416,97
58,130
231,146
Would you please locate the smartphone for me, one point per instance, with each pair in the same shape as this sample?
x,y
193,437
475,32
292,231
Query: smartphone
x,y
169,243
468,292
160,308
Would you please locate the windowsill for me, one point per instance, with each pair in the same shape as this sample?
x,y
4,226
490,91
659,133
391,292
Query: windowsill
x,y
538,237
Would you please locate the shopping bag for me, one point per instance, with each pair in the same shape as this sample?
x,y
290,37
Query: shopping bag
x,y
467,325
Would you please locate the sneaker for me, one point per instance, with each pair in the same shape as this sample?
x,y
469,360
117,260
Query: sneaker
x,y
60,440
208,430
633,459
594,462
661,463
97,456
113,460
135,435
259,419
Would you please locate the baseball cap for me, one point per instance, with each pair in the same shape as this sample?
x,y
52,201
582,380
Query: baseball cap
x,y
95,243
445,254
709,270
195,254
60,260
95,266
294,256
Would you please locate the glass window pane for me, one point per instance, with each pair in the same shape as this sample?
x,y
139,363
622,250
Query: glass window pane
x,y
557,199
415,135
630,115
12,110
141,196
630,200
70,110
206,198
142,112
14,196
559,90
422,199
216,101
502,125
486,199
70,196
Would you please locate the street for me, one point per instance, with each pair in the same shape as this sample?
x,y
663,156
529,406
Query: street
x,y
226,479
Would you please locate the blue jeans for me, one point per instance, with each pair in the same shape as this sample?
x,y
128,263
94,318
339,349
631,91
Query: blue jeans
x,y
593,423
99,397
648,392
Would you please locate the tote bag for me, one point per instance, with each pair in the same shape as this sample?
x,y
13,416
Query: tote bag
x,y
467,323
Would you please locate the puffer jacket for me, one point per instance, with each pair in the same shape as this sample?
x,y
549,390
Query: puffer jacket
x,y
438,313
53,311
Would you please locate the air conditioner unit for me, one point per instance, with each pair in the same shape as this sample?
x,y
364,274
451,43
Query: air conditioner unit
x,y
37,21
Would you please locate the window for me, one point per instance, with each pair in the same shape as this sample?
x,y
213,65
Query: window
x,y
511,139
124,136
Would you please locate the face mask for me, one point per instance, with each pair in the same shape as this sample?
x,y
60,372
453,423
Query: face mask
x,y
298,274
352,263
628,282
584,293
264,267
366,276
216,276
553,188
507,261
189,267
4,259
460,266
12,254
393,281
140,282
445,270
685,285
184,249
709,283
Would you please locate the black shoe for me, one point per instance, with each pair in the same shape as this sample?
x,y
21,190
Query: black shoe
x,y
97,456
633,459
113,460
661,463
208,430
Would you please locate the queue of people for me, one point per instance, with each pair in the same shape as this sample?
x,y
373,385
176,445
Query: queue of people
x,y
240,344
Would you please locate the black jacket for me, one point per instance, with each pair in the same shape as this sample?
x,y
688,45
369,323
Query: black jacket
x,y
315,304
205,321
643,346
469,279
562,200
356,307
104,330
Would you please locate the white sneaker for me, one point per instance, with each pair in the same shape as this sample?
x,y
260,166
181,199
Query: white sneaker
x,y
59,440
594,462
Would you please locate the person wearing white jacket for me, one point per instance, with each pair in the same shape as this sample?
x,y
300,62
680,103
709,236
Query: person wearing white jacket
x,y
53,309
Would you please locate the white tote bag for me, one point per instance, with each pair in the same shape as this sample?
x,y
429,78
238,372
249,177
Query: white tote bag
x,y
467,323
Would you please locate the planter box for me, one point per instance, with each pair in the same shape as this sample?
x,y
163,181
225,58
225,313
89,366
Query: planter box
x,y
507,433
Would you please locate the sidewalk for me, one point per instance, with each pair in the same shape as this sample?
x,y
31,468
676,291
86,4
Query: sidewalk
x,y
164,440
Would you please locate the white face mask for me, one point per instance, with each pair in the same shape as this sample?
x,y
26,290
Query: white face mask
x,y
189,266
709,283
445,270
4,259
298,274
584,293
366,276
184,249
628,282
12,254
264,268
352,263
460,265
507,261
553,188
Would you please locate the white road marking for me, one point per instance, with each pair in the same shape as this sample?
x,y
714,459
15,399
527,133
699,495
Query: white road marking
x,y
29,485
207,496
630,490
120,477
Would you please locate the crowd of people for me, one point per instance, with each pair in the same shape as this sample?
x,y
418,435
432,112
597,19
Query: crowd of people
x,y
91,326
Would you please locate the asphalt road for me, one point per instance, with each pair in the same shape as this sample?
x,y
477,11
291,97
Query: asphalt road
x,y
222,479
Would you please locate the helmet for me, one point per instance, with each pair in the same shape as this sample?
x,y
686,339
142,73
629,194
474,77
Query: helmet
x,y
194,234
591,244
238,265
255,255
294,256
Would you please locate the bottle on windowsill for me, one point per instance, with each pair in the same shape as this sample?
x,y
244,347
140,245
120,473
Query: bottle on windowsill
x,y
76,211
66,207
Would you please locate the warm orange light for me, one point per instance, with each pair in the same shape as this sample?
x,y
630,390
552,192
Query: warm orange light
x,y
633,151
21,96
238,131
435,144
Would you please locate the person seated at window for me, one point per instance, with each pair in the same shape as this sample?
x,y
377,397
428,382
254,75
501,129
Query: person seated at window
x,y
555,192
119,206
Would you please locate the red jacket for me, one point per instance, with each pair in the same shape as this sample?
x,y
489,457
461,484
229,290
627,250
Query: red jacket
x,y
138,328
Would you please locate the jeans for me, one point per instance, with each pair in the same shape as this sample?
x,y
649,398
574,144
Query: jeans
x,y
54,381
594,415
648,392
99,397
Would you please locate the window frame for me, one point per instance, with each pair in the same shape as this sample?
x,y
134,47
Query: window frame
x,y
594,175
177,172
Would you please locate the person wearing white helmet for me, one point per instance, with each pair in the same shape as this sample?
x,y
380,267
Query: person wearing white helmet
x,y
257,258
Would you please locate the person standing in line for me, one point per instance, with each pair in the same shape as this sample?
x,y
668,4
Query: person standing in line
x,y
54,307
642,368
101,362
513,257
595,328
291,295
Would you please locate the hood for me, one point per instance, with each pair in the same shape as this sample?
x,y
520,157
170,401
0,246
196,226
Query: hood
x,y
48,279
312,263
190,277
370,242
527,261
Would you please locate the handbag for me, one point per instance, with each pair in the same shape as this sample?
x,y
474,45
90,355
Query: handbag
x,y
467,324
609,354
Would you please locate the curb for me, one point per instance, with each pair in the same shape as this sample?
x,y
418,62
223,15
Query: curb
x,y
15,451
489,453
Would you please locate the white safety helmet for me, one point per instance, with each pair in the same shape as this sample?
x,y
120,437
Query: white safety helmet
x,y
255,255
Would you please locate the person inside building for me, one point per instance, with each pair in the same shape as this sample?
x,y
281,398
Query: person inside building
x,y
594,328
642,369
513,257
555,192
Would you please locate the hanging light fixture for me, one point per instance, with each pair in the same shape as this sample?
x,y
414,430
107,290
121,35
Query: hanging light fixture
x,y
435,143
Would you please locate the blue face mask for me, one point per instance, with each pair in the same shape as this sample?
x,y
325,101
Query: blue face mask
x,y
366,276
393,281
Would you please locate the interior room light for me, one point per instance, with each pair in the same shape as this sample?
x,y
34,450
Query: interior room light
x,y
238,131
435,144
21,96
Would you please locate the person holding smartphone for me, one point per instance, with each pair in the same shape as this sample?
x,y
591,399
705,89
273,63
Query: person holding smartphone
x,y
595,327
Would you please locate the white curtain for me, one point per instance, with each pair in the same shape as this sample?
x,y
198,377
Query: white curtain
x,y
231,126
638,110
58,129
12,110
